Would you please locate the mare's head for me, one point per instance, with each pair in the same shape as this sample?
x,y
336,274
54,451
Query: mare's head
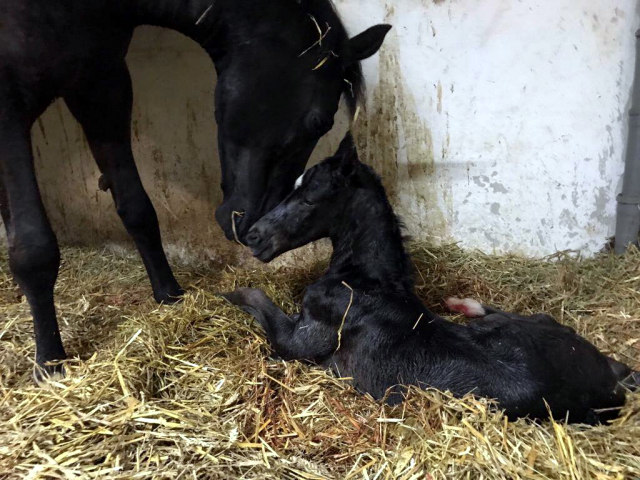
x,y
313,210
280,80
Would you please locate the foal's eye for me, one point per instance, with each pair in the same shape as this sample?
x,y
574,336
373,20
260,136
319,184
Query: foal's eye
x,y
307,203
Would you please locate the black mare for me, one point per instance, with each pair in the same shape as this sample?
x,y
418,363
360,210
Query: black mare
x,y
282,67
388,337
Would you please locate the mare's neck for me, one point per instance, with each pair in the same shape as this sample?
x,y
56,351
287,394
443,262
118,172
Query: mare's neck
x,y
219,25
198,19
369,241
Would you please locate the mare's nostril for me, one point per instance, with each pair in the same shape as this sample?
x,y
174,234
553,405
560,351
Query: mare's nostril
x,y
252,237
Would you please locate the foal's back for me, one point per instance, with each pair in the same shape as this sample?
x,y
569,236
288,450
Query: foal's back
x,y
522,363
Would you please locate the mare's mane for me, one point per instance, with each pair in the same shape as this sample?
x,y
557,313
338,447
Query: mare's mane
x,y
324,13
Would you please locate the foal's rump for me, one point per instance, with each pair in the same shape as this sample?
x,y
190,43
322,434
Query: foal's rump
x,y
473,309
569,374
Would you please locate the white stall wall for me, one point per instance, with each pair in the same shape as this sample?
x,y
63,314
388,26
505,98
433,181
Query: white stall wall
x,y
507,120
500,124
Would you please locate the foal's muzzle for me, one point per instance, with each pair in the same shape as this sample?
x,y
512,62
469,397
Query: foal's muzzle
x,y
262,243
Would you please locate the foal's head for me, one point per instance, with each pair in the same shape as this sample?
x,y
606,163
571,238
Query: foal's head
x,y
312,210
274,101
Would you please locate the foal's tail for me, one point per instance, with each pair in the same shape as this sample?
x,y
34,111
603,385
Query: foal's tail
x,y
469,307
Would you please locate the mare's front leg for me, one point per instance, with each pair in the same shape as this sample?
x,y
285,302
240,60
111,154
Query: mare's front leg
x,y
34,257
102,104
292,339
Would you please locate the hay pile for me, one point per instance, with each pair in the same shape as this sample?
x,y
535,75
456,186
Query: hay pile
x,y
188,391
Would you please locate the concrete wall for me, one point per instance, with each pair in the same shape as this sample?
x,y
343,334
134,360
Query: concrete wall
x,y
503,123
495,123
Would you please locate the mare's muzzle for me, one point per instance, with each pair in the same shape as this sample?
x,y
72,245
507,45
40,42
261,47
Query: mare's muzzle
x,y
235,221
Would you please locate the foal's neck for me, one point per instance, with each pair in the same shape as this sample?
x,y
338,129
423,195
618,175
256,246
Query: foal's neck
x,y
369,241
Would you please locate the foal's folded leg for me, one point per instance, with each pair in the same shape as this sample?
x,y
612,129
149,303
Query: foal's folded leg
x,y
299,338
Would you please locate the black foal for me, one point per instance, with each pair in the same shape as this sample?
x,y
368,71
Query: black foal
x,y
363,320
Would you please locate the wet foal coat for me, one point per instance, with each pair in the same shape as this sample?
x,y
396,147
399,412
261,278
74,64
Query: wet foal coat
x,y
363,320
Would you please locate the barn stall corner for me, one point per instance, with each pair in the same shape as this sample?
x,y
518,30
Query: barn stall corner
x,y
502,145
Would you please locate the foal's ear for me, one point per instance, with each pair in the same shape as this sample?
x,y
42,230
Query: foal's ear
x,y
348,154
365,44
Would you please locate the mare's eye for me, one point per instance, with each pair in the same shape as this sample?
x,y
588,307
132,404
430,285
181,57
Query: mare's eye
x,y
319,124
307,202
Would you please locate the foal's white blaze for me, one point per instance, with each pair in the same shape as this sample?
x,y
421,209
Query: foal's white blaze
x,y
467,306
298,182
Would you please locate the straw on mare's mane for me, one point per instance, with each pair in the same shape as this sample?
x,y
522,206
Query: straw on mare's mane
x,y
323,13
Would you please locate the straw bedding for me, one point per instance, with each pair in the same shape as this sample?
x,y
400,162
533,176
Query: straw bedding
x,y
189,390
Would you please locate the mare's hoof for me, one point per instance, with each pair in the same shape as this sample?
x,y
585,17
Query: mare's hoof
x,y
45,374
169,295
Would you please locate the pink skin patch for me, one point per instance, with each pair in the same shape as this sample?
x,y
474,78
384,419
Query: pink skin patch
x,y
467,306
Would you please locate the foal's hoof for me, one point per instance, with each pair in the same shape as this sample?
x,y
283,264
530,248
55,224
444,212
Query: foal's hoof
x,y
243,296
46,374
232,297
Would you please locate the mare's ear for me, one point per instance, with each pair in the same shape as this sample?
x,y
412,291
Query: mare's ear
x,y
348,154
365,44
